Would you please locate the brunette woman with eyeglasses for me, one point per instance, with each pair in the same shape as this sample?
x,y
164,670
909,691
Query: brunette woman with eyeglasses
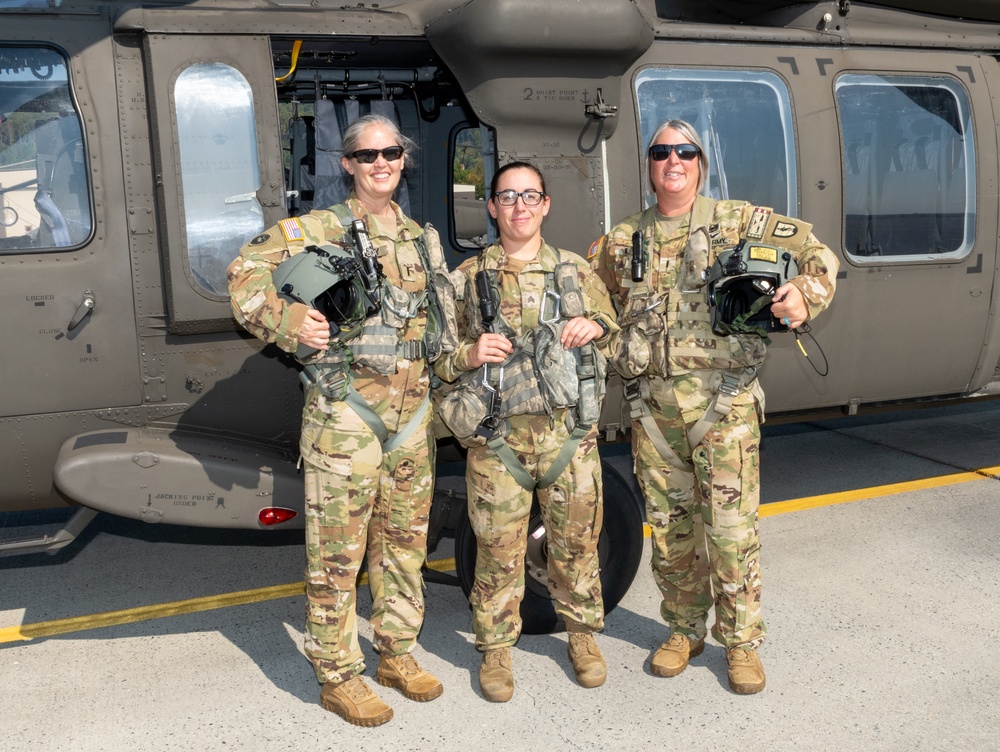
x,y
694,395
366,444
528,314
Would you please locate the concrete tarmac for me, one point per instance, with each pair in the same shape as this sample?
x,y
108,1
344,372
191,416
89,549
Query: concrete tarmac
x,y
882,619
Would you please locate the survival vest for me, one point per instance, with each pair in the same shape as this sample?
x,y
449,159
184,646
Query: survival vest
x,y
378,346
537,378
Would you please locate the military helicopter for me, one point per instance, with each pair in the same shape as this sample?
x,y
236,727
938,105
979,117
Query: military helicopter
x,y
142,143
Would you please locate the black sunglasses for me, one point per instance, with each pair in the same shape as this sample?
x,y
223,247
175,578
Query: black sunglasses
x,y
687,152
368,156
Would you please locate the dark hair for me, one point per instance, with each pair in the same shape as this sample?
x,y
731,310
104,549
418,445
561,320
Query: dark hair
x,y
515,166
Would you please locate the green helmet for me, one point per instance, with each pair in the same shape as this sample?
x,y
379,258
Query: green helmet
x,y
329,279
741,285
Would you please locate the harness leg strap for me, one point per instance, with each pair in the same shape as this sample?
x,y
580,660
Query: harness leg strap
x,y
637,395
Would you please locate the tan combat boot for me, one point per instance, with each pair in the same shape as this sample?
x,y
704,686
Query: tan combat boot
x,y
496,679
588,663
746,673
672,656
354,701
403,673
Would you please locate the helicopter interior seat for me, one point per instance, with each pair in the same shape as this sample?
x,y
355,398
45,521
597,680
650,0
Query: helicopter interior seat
x,y
910,202
62,196
328,180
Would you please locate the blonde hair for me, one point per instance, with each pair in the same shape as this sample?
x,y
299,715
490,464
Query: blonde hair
x,y
687,131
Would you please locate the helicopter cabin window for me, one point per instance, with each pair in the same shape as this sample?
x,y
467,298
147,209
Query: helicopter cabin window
x,y
44,189
909,167
217,140
469,188
744,119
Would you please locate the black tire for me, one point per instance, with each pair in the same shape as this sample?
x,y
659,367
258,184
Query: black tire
x,y
619,549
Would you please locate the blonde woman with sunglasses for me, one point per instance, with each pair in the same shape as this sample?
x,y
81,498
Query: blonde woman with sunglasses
x,y
695,397
363,491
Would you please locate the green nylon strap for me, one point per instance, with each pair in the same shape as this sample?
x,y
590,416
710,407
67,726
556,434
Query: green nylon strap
x,y
509,459
502,450
338,384
637,394
374,422
563,458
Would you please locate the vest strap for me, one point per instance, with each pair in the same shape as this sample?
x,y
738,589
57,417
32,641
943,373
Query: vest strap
x,y
337,384
637,394
509,459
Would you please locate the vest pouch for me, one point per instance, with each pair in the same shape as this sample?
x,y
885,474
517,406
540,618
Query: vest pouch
x,y
375,346
642,346
463,408
398,306
591,373
445,338
571,302
522,394
556,366
749,350
432,333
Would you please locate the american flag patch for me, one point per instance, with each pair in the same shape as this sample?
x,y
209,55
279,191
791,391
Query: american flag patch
x,y
291,229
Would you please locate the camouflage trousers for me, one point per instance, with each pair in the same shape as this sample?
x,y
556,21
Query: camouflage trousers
x,y
362,500
572,512
703,519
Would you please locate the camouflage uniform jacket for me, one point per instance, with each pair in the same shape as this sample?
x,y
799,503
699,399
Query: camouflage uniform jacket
x,y
520,295
258,307
679,256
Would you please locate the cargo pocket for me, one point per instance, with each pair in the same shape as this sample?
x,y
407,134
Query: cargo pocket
x,y
749,475
401,497
573,516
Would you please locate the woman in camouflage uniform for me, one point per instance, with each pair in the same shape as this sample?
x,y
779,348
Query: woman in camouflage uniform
x,y
522,265
700,491
358,496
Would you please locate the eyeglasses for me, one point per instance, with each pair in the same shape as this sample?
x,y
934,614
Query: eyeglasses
x,y
687,152
530,197
368,156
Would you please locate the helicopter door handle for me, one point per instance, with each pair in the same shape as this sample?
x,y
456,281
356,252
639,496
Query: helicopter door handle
x,y
85,309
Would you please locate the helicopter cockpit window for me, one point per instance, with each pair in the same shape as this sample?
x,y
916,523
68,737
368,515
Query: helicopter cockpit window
x,y
744,119
44,190
217,139
909,167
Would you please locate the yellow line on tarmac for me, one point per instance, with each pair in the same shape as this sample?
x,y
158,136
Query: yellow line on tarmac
x,y
25,632
812,502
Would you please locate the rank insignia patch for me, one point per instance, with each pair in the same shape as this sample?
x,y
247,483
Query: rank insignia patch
x,y
758,223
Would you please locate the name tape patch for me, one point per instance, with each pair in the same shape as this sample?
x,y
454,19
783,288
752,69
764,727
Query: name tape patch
x,y
764,253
